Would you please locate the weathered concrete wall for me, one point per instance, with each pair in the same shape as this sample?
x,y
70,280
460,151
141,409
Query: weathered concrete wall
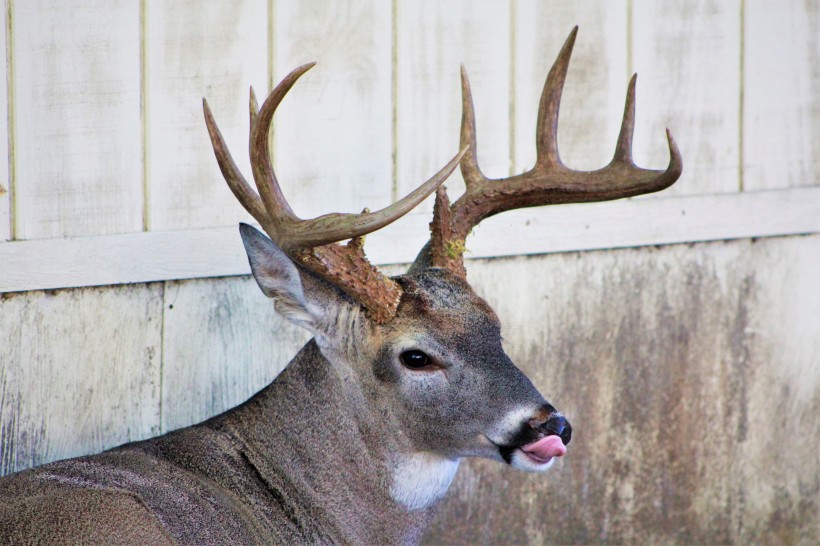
x,y
691,374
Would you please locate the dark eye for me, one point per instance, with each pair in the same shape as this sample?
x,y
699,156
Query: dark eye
x,y
415,359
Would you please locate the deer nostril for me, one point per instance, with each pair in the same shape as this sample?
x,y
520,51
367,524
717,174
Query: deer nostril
x,y
556,424
566,433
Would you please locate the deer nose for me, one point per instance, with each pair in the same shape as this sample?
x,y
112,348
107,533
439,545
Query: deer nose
x,y
556,424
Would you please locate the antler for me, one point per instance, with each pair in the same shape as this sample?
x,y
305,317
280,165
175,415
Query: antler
x,y
311,242
548,182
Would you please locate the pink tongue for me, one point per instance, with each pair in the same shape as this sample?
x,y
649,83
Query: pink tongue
x,y
549,446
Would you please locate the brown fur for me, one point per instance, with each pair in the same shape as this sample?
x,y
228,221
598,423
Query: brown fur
x,y
248,476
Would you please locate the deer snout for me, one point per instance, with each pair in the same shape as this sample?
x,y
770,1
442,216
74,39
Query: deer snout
x,y
554,424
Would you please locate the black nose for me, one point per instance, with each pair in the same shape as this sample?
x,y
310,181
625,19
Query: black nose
x,y
557,424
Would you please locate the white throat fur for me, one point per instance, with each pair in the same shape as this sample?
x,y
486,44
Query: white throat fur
x,y
421,479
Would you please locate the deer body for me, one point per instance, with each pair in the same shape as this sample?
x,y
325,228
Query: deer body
x,y
316,456
246,476
243,476
358,439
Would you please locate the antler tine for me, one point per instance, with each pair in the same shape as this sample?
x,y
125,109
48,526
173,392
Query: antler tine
x,y
236,182
277,206
623,149
546,139
253,107
470,170
646,181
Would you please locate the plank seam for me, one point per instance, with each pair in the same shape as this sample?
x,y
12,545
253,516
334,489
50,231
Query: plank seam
x,y
12,167
741,83
146,182
271,52
394,107
160,424
630,66
273,136
511,112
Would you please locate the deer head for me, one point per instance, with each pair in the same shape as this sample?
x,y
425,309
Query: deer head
x,y
421,352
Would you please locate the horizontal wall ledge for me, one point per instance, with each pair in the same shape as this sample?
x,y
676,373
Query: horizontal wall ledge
x,y
217,252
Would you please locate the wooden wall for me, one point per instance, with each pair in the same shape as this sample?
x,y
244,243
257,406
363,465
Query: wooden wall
x,y
109,161
689,370
691,375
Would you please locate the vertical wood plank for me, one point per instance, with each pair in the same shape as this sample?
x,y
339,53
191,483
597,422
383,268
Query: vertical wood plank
x,y
781,95
77,154
687,55
197,49
333,147
223,343
79,372
5,167
434,38
594,93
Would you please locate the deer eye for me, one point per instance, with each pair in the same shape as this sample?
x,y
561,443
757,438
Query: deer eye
x,y
415,359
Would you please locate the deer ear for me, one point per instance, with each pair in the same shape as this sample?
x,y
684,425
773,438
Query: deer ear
x,y
278,277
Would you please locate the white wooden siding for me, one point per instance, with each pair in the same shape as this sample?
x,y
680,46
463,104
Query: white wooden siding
x,y
235,352
5,163
333,133
433,38
216,252
77,130
688,56
595,91
107,137
199,49
79,371
781,94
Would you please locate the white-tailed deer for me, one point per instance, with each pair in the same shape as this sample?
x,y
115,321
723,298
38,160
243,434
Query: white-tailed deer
x,y
360,436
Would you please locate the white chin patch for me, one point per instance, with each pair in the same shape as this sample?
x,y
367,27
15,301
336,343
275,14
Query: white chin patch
x,y
521,461
421,479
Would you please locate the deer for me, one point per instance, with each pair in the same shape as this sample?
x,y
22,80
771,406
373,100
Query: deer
x,y
360,436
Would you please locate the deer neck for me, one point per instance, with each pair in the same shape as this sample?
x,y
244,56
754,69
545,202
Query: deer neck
x,y
317,428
